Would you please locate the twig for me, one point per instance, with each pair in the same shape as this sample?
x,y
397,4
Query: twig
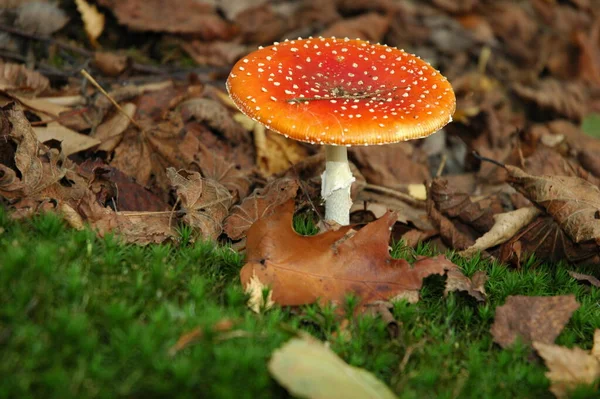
x,y
442,165
112,100
398,194
482,158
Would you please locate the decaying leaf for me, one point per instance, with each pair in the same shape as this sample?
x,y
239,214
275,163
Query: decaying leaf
x,y
20,79
217,168
574,203
570,367
532,318
110,132
307,368
258,205
303,269
205,202
214,114
506,226
568,99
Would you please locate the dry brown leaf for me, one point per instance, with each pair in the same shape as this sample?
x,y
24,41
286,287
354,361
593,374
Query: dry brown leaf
x,y
574,203
18,78
42,173
380,164
93,20
544,238
455,204
71,142
114,188
110,64
205,202
371,26
448,231
214,114
327,267
215,167
569,368
195,17
505,227
474,286
217,53
110,132
132,227
565,98
532,318
585,277
259,205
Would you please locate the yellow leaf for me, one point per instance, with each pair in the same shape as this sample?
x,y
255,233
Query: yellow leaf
x,y
93,20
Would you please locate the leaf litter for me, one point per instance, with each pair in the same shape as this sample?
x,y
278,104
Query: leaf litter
x,y
174,152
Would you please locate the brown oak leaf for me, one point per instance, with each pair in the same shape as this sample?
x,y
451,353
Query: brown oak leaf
x,y
327,267
532,318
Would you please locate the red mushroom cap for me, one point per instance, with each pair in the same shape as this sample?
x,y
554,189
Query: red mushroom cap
x,y
341,92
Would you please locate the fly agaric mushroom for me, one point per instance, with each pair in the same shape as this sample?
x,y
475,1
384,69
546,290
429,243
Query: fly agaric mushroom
x,y
340,93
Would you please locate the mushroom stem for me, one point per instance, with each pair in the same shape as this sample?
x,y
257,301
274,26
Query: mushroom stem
x,y
335,185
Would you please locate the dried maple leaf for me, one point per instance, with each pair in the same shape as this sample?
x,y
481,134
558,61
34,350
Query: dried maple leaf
x,y
570,367
532,318
205,202
327,267
574,203
215,167
260,204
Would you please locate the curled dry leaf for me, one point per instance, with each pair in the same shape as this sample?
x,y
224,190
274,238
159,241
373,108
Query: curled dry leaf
x,y
447,230
20,79
327,267
532,318
570,367
455,204
585,277
574,203
308,368
205,202
505,227
260,204
474,286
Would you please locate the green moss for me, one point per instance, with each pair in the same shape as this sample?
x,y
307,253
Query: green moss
x,y
87,317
